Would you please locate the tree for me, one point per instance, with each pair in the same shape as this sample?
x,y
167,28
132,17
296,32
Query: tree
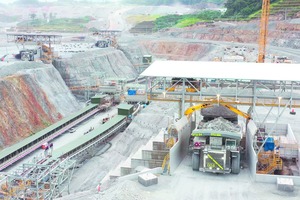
x,y
32,16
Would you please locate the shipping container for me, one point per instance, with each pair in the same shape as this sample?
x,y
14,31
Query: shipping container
x,y
125,109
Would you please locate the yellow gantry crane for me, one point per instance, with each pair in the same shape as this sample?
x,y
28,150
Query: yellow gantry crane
x,y
264,21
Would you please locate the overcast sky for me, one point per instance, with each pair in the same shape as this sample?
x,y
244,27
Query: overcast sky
x,y
11,1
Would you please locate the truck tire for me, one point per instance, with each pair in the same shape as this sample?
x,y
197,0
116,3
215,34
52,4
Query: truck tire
x,y
235,165
195,161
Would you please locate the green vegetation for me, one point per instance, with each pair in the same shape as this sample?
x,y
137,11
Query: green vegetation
x,y
141,18
243,8
236,10
187,22
181,21
60,25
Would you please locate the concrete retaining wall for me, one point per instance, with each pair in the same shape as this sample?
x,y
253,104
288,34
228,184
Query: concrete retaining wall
x,y
159,146
250,153
146,163
126,170
157,170
181,147
266,178
153,155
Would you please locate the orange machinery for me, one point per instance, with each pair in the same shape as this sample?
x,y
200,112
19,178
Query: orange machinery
x,y
263,30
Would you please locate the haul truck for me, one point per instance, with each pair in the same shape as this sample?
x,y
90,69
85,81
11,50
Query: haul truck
x,y
216,148
216,151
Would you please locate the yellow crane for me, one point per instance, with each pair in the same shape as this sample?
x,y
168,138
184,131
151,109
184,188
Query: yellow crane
x,y
264,21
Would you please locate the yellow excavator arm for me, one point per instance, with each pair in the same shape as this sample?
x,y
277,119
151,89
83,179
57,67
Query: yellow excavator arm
x,y
192,109
236,111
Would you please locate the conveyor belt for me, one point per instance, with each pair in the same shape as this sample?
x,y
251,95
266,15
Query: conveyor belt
x,y
20,150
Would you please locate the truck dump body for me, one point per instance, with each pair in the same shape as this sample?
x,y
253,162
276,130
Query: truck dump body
x,y
216,146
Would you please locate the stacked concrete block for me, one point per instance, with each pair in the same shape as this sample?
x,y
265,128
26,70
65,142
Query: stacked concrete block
x,y
285,184
146,163
126,170
159,145
153,155
148,179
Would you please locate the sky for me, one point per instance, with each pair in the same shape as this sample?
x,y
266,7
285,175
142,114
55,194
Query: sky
x,y
11,1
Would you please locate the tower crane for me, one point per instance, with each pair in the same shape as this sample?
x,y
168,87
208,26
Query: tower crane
x,y
263,30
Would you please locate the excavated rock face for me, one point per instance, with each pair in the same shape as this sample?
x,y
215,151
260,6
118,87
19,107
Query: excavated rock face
x,y
279,34
176,50
33,96
100,63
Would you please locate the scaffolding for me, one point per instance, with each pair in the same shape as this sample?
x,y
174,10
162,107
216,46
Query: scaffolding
x,y
41,180
269,162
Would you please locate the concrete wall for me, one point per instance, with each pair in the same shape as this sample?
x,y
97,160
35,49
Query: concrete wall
x,y
267,178
250,153
134,176
181,147
158,146
274,129
154,155
146,163
126,170
290,134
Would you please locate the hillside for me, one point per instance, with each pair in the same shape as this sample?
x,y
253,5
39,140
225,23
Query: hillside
x,y
33,96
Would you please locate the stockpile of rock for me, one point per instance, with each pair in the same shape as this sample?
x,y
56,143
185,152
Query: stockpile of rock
x,y
219,124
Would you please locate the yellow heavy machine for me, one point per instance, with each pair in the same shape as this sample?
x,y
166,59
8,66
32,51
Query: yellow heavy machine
x,y
269,162
217,150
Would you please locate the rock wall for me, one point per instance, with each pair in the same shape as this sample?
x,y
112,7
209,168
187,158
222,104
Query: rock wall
x,y
176,50
84,68
280,33
32,96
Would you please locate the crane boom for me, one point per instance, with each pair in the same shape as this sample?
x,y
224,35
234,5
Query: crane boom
x,y
263,30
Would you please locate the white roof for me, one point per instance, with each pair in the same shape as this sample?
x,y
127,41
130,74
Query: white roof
x,y
224,70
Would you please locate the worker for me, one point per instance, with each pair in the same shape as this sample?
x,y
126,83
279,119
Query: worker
x,y
99,187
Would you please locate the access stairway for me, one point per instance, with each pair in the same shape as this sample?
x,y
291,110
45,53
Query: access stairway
x,y
268,162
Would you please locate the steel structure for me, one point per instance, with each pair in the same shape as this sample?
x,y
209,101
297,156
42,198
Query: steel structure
x,y
107,33
41,179
225,87
34,38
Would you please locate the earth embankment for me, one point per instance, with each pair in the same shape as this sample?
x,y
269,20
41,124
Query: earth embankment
x,y
84,68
